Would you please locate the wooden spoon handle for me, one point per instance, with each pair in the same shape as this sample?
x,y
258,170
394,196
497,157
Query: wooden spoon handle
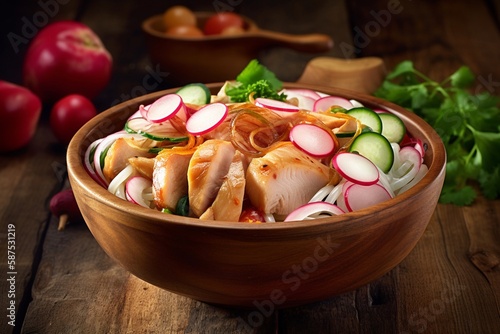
x,y
312,43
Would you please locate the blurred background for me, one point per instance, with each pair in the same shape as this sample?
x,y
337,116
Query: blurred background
x,y
118,24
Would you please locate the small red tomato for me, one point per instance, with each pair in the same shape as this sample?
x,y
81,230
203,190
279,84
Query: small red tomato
x,y
20,111
185,31
250,214
69,114
178,16
217,23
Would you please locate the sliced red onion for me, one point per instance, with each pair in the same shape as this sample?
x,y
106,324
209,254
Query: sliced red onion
x,y
135,188
358,197
356,168
103,145
117,185
275,105
310,210
312,139
411,161
303,92
207,118
325,103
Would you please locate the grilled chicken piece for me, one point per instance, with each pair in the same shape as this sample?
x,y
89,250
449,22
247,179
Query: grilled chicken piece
x,y
207,170
228,204
284,179
144,166
118,154
170,177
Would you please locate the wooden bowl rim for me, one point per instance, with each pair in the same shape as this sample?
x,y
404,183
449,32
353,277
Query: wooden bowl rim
x,y
352,220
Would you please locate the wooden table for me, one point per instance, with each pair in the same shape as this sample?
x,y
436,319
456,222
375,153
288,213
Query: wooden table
x,y
63,281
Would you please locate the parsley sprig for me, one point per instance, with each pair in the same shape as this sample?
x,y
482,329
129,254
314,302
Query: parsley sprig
x,y
467,121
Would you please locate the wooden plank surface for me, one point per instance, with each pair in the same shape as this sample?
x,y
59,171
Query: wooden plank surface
x,y
448,284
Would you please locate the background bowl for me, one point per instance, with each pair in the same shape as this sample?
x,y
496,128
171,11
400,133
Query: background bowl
x,y
246,265
216,58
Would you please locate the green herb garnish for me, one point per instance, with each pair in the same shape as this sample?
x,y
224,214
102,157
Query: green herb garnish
x,y
468,123
257,79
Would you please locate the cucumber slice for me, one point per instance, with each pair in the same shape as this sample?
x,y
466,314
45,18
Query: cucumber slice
x,y
352,133
195,93
368,117
376,148
155,131
393,127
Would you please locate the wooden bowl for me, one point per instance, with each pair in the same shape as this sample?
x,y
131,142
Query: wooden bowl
x,y
216,58
245,265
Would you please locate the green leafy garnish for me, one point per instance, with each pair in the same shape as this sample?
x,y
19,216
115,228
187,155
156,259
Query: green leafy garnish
x,y
257,79
467,123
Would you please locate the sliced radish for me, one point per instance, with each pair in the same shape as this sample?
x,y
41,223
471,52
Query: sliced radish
x,y
302,91
139,113
135,188
358,197
356,104
304,102
165,108
325,103
312,139
310,210
207,118
275,105
356,168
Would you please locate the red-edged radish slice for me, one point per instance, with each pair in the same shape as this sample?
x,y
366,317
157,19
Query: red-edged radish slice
x,y
301,91
325,103
358,197
312,139
139,113
314,208
356,168
207,118
275,105
134,190
304,102
417,143
165,108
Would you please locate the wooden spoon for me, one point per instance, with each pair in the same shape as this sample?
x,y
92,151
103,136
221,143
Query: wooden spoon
x,y
361,74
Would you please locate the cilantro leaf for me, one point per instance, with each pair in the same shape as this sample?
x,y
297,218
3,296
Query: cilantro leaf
x,y
467,123
255,79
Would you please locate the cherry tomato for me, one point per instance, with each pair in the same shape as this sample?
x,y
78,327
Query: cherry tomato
x,y
20,111
178,16
250,214
69,114
66,57
185,31
218,22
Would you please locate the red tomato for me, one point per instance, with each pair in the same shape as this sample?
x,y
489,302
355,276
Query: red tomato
x,y
178,16
20,111
66,57
69,114
250,214
185,31
217,23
